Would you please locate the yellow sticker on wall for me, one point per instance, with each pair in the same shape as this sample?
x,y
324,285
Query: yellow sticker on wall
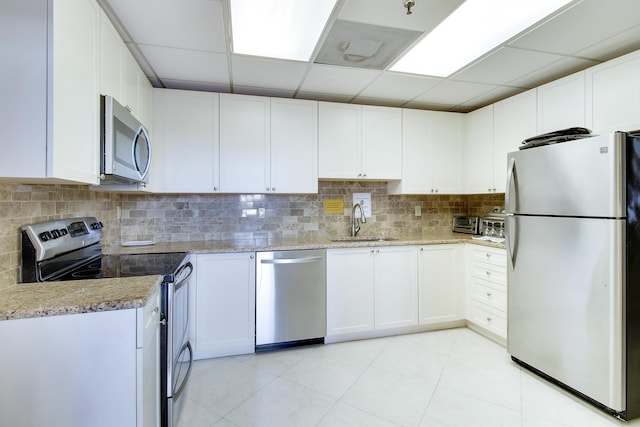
x,y
333,206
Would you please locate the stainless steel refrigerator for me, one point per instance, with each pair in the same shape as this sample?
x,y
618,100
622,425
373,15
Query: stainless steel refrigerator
x,y
573,254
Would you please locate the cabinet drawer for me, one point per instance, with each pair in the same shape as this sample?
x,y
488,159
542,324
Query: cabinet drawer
x,y
489,272
489,318
489,294
494,256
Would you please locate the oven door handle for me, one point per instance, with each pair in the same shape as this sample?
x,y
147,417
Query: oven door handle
x,y
180,390
184,279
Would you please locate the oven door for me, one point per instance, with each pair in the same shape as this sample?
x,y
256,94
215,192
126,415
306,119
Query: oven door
x,y
179,352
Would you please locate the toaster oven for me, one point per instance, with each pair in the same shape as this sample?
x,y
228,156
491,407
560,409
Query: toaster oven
x,y
466,224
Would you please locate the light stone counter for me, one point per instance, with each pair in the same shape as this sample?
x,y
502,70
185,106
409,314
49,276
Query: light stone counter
x,y
251,245
24,300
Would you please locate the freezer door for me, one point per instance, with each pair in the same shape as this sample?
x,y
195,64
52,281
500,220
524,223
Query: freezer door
x,y
565,301
577,178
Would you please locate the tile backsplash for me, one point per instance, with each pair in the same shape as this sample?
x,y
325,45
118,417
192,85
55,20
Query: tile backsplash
x,y
193,217
272,216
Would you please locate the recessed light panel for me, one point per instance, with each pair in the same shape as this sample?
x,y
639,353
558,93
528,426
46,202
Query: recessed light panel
x,y
473,29
285,29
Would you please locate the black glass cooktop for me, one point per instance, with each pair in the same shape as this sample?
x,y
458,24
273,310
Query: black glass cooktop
x,y
108,266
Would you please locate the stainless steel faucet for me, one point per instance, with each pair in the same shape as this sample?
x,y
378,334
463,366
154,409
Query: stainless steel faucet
x,y
356,227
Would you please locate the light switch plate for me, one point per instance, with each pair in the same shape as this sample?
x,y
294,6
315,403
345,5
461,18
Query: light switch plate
x,y
365,201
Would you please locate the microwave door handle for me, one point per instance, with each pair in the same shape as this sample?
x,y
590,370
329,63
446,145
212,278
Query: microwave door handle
x,y
142,131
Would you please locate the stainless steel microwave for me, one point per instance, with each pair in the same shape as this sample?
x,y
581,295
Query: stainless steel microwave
x,y
126,148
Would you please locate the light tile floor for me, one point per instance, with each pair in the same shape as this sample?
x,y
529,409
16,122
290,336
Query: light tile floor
x,y
454,378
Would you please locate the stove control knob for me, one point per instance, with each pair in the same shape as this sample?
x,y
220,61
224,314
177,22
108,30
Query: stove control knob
x,y
55,234
63,231
45,236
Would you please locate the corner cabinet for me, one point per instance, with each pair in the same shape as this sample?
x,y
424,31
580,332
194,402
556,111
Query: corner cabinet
x,y
50,78
371,288
359,142
267,145
441,283
185,144
75,369
224,301
431,153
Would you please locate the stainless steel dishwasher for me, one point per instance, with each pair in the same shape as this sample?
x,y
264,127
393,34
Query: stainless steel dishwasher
x,y
291,301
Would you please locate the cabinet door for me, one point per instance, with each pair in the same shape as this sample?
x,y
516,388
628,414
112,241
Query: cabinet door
x,y
244,143
613,95
225,304
74,142
111,46
478,151
185,144
441,285
396,287
446,137
381,143
561,104
339,137
350,290
294,146
514,120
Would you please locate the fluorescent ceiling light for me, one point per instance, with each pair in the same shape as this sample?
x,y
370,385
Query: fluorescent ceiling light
x,y
286,29
473,29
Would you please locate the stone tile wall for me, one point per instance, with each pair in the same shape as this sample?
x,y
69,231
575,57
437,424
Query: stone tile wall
x,y
167,218
271,216
30,204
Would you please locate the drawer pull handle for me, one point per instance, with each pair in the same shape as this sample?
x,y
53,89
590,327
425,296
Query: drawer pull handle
x,y
488,294
488,319
488,273
488,255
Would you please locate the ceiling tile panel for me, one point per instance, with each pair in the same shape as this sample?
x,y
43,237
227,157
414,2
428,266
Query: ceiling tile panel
x,y
191,65
453,92
506,65
337,80
273,74
189,24
398,86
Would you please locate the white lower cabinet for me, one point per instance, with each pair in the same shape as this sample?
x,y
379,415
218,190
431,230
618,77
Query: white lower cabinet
x,y
371,288
487,289
224,315
97,369
441,283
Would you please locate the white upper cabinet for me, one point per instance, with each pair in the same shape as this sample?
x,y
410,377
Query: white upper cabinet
x,y
294,146
613,95
359,142
561,104
431,153
514,120
267,145
478,151
120,75
50,80
185,145
244,143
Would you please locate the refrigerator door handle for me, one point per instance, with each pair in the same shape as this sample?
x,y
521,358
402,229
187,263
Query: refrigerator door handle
x,y
512,239
511,179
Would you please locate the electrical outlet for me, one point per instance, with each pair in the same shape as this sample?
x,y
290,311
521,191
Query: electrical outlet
x,y
418,211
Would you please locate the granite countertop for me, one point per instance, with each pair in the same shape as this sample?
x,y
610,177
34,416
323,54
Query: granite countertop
x,y
25,300
251,245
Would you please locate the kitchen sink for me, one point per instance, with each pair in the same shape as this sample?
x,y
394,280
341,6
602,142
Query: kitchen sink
x,y
363,239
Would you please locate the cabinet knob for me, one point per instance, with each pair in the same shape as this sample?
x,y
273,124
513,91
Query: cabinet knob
x,y
489,190
436,190
359,174
488,255
364,174
488,273
494,190
215,188
268,189
372,251
250,256
273,188
422,249
489,319
488,294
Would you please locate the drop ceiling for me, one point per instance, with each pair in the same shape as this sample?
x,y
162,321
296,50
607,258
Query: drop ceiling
x,y
186,45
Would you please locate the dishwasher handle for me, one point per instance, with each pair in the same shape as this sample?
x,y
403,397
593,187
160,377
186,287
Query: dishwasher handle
x,y
291,260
